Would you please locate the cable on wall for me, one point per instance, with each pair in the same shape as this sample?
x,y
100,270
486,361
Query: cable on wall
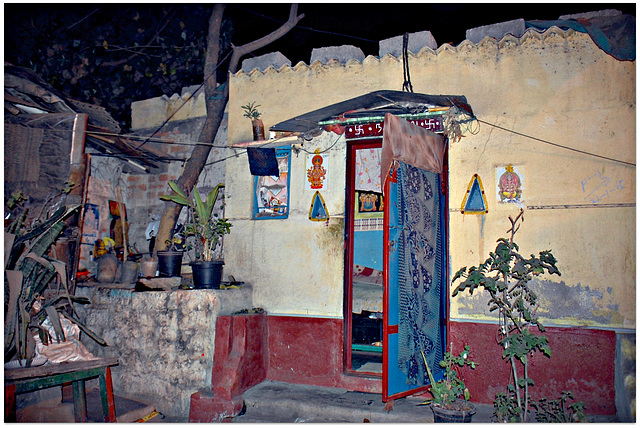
x,y
556,145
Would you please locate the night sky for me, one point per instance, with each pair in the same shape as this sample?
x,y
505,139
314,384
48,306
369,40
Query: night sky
x,y
365,24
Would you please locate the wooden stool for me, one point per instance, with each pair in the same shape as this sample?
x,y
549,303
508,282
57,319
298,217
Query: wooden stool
x,y
17,381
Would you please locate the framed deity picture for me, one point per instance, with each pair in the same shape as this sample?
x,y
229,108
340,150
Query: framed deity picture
x,y
369,205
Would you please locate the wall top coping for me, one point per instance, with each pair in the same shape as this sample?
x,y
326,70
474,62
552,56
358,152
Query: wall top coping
x,y
464,46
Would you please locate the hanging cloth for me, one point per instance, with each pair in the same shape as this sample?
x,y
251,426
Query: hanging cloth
x,y
368,170
410,144
262,161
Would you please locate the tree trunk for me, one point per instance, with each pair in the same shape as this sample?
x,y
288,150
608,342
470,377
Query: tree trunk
x,y
215,111
216,101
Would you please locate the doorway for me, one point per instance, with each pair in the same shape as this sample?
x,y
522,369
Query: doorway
x,y
396,258
364,270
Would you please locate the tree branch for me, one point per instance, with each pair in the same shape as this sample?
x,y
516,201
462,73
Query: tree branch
x,y
215,103
239,51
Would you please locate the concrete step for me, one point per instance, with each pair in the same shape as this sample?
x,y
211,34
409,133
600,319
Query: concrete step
x,y
277,402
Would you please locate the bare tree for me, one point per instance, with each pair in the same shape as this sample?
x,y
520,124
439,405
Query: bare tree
x,y
216,101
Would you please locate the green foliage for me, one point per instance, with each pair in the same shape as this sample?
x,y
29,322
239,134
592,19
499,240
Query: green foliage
x,y
451,388
506,408
251,111
558,411
207,228
28,274
505,276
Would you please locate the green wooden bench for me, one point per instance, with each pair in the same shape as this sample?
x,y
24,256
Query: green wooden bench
x,y
21,380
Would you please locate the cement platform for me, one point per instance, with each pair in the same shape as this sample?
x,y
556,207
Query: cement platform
x,y
277,402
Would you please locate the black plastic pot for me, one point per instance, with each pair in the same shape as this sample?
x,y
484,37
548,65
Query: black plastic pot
x,y
207,274
169,263
441,415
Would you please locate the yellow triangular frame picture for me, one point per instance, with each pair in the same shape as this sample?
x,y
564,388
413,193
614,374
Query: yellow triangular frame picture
x,y
318,210
475,201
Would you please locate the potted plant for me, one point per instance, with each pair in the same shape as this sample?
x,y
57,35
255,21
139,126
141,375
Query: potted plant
x,y
207,229
506,277
170,260
251,112
450,402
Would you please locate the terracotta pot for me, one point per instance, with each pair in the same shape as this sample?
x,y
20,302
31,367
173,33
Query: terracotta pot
x,y
258,129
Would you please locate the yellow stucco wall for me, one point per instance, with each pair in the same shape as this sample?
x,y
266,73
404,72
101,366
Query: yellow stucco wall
x,y
557,87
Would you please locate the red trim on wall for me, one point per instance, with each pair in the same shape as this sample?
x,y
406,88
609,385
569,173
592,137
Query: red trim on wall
x,y
309,351
386,328
582,361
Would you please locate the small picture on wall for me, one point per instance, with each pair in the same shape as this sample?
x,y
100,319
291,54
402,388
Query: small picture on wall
x,y
510,184
369,205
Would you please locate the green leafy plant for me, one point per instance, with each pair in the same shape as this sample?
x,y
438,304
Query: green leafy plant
x,y
452,388
505,276
203,224
558,411
251,111
29,272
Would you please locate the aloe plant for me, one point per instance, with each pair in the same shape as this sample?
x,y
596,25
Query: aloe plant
x,y
207,228
28,274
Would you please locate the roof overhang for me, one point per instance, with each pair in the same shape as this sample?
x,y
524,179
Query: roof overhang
x,y
373,105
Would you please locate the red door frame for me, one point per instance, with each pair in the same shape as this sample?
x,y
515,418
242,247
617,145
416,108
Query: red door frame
x,y
352,146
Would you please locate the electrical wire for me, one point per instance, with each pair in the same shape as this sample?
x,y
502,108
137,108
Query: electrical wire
x,y
323,151
555,144
235,155
305,28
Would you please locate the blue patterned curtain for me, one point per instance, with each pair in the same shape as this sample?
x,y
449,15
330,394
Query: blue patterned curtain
x,y
420,277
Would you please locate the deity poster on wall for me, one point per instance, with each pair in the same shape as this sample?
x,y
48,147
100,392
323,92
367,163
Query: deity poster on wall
x,y
316,171
510,184
369,205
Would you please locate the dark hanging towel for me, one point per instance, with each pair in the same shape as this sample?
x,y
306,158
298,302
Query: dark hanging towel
x,y
263,161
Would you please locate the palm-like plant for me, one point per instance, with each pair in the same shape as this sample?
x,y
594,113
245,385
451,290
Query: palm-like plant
x,y
251,111
203,224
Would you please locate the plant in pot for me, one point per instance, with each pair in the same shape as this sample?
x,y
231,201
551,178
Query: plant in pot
x,y
207,229
450,402
170,260
506,277
251,112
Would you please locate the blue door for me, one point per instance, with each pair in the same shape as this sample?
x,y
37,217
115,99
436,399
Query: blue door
x,y
415,261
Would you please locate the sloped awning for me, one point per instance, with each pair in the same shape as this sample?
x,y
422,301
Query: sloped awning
x,y
31,101
375,104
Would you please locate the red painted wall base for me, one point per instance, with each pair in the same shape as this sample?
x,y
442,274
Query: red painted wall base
x,y
253,348
240,362
582,361
309,351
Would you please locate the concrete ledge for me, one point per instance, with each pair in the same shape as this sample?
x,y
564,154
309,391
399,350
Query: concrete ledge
x,y
417,41
497,31
274,59
341,53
